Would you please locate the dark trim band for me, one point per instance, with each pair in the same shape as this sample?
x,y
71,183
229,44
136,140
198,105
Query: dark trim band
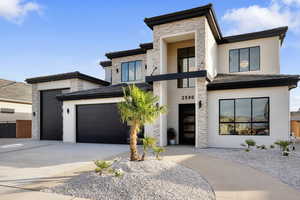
x,y
173,76
106,63
292,82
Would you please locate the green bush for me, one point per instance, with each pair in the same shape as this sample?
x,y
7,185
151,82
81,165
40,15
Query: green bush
x,y
284,146
157,151
106,167
248,144
148,142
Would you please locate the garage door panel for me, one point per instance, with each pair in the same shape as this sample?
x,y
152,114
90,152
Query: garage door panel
x,y
7,130
51,115
100,123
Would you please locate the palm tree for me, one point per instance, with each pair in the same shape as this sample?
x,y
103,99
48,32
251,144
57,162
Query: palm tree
x,y
138,108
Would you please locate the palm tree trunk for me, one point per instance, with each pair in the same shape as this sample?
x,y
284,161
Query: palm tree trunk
x,y
133,140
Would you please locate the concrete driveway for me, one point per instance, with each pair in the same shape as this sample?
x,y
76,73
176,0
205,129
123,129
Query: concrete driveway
x,y
24,162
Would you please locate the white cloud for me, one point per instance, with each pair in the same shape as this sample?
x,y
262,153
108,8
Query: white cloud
x,y
256,17
17,10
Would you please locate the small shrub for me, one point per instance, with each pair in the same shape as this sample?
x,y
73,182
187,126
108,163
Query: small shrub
x,y
272,146
148,142
102,166
284,146
106,167
157,151
248,144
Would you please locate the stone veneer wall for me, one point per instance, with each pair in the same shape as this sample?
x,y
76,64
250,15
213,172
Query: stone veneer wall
x,y
116,64
196,25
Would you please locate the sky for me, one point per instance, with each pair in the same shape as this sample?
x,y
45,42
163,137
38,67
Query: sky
x,y
43,37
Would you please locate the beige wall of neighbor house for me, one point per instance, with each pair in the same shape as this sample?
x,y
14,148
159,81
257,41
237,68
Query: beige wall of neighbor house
x,y
117,62
269,55
279,116
69,119
71,85
22,111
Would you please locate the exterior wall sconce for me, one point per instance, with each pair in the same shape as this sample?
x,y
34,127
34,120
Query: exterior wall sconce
x,y
117,70
34,114
145,66
200,104
68,110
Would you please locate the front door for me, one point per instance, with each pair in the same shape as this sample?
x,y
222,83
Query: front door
x,y
187,126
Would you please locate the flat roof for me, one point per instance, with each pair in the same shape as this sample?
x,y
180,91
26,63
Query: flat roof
x,y
65,76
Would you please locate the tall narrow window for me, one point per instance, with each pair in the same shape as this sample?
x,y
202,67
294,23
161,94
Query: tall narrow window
x,y
186,63
245,59
245,116
131,71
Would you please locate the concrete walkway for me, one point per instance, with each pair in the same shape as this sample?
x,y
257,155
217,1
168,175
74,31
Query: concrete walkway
x,y
10,193
232,181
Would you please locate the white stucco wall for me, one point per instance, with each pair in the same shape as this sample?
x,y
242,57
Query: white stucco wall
x,y
211,54
279,116
22,111
269,55
69,119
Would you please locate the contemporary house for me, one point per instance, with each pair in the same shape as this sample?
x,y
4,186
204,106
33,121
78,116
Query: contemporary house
x,y
219,90
15,109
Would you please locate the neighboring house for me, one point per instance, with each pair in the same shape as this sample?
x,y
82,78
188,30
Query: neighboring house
x,y
219,90
295,123
15,109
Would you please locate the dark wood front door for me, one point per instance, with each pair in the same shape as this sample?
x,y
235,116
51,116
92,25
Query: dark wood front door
x,y
187,126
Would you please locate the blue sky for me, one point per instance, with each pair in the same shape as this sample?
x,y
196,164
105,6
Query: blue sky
x,y
41,37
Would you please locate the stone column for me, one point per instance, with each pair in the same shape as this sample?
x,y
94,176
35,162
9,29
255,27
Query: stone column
x,y
35,112
201,113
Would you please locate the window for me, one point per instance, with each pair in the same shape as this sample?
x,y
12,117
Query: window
x,y
108,75
131,71
245,116
243,60
186,63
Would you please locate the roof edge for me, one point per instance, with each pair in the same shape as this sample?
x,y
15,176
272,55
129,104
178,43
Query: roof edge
x,y
124,53
65,76
106,63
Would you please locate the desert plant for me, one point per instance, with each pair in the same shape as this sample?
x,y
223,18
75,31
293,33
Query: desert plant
x,y
148,142
263,147
272,146
103,166
248,144
284,146
138,108
157,151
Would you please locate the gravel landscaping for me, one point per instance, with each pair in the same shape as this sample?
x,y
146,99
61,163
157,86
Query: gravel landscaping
x,y
150,179
269,161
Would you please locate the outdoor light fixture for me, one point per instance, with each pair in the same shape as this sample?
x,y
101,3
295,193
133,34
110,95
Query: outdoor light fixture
x,y
68,110
145,66
200,104
117,70
34,114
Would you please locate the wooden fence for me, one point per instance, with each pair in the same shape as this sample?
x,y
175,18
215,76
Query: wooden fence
x,y
23,129
295,128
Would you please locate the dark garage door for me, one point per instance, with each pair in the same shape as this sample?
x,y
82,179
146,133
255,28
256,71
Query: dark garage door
x,y
100,123
51,115
7,130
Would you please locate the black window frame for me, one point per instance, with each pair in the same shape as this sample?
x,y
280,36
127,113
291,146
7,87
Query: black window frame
x,y
135,61
179,85
251,122
249,58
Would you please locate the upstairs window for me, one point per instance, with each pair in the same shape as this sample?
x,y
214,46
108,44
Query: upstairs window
x,y
131,71
186,63
244,60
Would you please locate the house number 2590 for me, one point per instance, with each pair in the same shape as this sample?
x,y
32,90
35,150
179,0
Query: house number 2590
x,y
187,97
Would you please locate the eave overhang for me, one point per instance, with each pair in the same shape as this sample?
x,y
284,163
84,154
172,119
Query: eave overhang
x,y
291,82
173,76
